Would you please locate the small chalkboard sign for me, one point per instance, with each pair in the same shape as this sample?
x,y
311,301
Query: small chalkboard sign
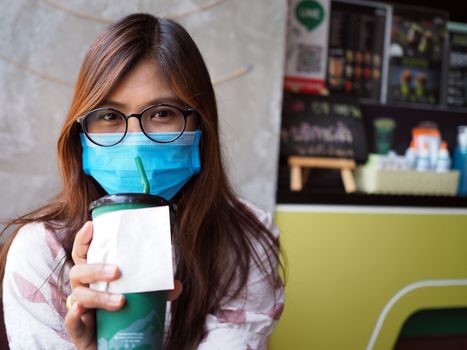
x,y
322,126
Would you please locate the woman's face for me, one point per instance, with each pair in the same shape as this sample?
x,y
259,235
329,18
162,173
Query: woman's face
x,y
142,86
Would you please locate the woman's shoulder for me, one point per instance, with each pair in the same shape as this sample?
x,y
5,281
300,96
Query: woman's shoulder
x,y
263,216
35,243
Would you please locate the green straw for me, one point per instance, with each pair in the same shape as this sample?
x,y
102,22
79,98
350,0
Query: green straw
x,y
144,178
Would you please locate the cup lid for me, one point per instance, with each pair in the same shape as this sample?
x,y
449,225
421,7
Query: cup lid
x,y
125,198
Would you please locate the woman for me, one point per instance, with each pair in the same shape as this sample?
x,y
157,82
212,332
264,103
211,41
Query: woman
x,y
227,251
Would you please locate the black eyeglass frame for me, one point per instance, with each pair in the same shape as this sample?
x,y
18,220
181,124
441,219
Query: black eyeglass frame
x,y
185,112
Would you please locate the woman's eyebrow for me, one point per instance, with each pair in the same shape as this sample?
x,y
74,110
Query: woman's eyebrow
x,y
111,103
172,100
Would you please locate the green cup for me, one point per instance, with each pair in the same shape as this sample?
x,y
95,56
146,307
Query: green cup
x,y
140,323
384,134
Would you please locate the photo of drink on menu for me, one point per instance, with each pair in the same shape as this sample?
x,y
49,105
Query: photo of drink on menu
x,y
357,40
417,51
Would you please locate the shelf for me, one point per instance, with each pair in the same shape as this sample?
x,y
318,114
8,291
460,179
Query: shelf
x,y
415,106
314,197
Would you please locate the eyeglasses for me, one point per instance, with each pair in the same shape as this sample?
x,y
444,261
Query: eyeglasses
x,y
161,123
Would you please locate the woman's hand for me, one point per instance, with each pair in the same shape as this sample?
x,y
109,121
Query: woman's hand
x,y
80,319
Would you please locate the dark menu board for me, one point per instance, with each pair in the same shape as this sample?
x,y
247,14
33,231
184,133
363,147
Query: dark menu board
x,y
319,126
357,40
456,83
417,50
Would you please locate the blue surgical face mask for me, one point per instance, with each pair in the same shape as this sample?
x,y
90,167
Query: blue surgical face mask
x,y
168,166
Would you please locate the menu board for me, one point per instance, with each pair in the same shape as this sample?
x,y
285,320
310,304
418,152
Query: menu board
x,y
456,82
358,37
417,50
319,126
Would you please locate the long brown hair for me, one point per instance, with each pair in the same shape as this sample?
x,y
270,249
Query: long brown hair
x,y
218,237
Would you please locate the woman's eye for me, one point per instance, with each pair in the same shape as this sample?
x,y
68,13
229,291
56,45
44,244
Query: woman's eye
x,y
110,117
162,114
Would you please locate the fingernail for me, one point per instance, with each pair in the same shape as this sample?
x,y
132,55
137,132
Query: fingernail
x,y
74,308
110,270
116,299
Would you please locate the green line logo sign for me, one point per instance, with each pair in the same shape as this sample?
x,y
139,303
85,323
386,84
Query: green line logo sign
x,y
310,13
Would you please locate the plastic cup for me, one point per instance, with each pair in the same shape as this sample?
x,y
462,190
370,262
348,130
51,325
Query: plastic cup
x,y
384,132
140,323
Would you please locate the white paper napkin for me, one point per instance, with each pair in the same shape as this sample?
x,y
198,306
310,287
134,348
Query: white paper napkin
x,y
137,241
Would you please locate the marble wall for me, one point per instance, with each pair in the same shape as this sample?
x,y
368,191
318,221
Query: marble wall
x,y
42,43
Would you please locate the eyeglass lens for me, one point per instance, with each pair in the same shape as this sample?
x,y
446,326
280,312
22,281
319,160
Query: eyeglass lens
x,y
158,119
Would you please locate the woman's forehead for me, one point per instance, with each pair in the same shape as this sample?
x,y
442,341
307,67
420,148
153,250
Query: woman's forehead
x,y
144,83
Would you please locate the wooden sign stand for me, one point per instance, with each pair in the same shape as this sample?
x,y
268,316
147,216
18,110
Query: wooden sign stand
x,y
300,166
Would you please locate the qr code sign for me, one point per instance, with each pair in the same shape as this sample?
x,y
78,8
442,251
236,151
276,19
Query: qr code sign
x,y
309,58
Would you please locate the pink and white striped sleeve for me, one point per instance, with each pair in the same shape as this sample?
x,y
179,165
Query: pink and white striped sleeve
x,y
33,303
246,322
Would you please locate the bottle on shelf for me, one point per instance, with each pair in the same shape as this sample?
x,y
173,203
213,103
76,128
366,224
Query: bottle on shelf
x,y
411,155
443,163
460,159
423,159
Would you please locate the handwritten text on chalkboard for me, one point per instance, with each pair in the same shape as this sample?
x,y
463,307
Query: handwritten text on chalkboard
x,y
320,126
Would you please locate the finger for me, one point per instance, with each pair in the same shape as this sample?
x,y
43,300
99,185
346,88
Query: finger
x,y
73,323
89,334
93,299
83,274
81,244
175,293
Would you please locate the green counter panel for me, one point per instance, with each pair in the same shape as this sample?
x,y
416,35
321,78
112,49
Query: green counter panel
x,y
355,278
